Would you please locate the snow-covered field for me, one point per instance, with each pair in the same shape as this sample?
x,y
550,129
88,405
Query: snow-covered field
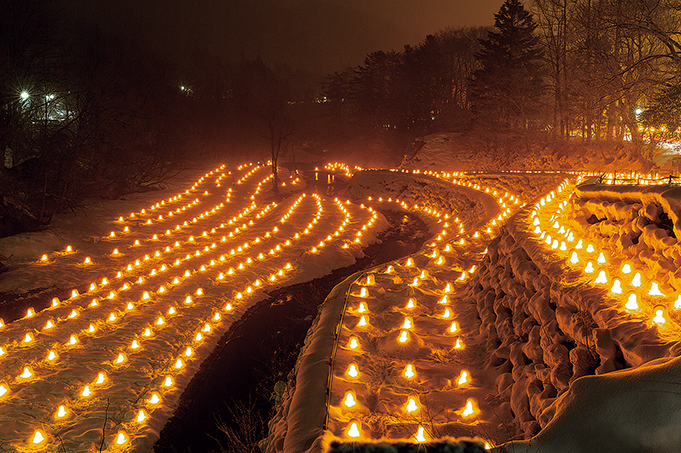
x,y
581,282
153,288
521,290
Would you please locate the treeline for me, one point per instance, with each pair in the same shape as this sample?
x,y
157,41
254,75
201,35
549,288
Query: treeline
x,y
553,70
422,88
87,113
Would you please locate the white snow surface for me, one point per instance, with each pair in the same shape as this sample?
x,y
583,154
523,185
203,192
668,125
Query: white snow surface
x,y
120,351
544,344
553,344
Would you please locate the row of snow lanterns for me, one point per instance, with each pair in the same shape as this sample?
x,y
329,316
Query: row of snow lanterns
x,y
138,262
598,266
38,437
126,230
635,178
339,166
412,404
121,358
155,237
221,276
162,289
353,429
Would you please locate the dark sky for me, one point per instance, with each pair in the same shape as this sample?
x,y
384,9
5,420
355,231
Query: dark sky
x,y
319,36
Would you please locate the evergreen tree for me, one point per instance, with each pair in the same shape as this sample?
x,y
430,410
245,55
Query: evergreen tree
x,y
508,86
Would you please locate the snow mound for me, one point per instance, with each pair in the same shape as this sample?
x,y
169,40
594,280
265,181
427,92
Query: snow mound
x,y
625,411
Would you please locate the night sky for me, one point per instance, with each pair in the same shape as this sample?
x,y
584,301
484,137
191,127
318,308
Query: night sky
x,y
319,36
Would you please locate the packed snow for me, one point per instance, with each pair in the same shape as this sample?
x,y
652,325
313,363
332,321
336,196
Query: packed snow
x,y
151,291
549,303
537,306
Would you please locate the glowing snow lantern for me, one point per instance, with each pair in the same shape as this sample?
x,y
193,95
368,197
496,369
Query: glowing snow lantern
x,y
470,409
160,321
179,364
73,340
589,269
38,437
363,292
411,405
636,281
626,269
601,258
349,400
580,245
61,412
590,248
677,303
616,287
463,378
659,318
409,371
353,430
121,438
141,416
655,290
120,359
362,321
26,374
86,391
574,258
453,328
353,371
28,338
632,302
458,344
420,435
51,356
602,278
3,390
404,337
353,344
43,258
444,300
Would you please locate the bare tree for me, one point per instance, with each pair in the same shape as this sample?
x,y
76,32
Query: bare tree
x,y
278,128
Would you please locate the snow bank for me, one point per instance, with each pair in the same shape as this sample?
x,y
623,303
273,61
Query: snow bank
x,y
298,425
621,412
446,150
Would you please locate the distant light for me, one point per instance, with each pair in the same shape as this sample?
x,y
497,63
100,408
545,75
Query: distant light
x,y
24,95
638,110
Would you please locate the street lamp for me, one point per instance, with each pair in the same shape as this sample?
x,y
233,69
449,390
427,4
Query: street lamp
x,y
24,95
